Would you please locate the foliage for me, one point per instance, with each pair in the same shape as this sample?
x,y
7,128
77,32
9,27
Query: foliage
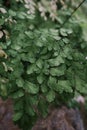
x,y
42,62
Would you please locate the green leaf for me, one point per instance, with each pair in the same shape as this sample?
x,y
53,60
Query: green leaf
x,y
39,44
81,85
69,31
17,94
29,34
52,81
40,79
3,89
29,110
12,13
53,31
2,21
39,63
64,86
30,69
18,105
57,38
20,82
56,61
65,40
13,53
44,51
17,116
68,52
31,88
43,107
33,100
63,32
29,57
50,96
21,15
57,71
16,47
44,88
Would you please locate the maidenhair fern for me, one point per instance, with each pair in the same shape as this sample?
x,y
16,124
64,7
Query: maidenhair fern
x,y
45,61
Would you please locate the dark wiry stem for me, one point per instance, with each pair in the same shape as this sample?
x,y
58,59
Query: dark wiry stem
x,y
72,13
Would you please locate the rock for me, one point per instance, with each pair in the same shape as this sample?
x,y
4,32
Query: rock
x,y
6,112
57,119
61,119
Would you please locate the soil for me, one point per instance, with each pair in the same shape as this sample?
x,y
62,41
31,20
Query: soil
x,y
58,119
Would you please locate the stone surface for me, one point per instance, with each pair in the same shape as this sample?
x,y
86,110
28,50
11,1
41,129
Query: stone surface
x,y
58,119
61,119
6,112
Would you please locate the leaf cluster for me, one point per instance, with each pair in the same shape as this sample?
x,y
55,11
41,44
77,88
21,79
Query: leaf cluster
x,y
45,65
